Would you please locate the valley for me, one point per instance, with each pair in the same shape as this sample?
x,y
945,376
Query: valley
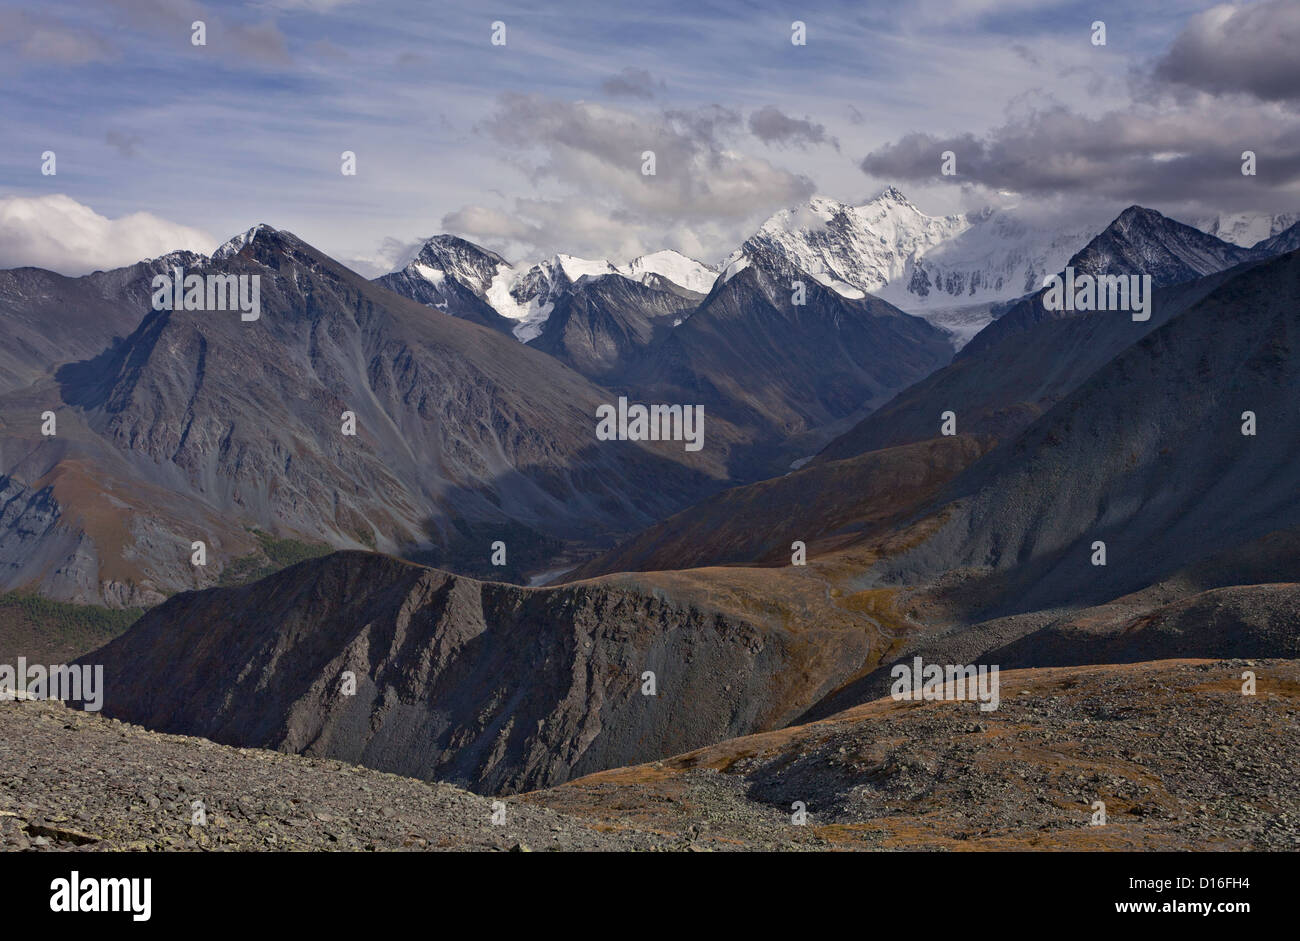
x,y
501,586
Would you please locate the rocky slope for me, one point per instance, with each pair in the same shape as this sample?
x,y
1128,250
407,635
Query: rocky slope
x,y
1030,357
1148,456
488,685
47,319
1138,242
788,375
1182,760
199,425
1288,240
1166,620
58,798
601,324
825,506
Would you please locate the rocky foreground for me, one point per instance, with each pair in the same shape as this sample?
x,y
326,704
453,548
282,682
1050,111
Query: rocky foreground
x,y
1180,757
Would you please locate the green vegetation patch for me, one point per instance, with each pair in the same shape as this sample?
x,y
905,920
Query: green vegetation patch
x,y
273,554
46,631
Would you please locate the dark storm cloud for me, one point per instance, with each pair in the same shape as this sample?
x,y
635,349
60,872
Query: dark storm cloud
x,y
1160,147
1253,49
1121,155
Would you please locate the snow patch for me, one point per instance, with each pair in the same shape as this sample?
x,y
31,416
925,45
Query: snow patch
x,y
434,276
674,266
575,268
735,266
236,244
531,313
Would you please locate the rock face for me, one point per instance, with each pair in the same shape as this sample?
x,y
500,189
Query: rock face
x,y
452,275
1142,240
1029,358
491,686
198,425
1147,456
47,319
601,324
786,374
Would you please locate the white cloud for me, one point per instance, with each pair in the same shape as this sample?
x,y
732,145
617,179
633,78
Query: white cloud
x,y
390,255
63,235
592,197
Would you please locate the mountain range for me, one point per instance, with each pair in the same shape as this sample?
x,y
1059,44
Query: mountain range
x,y
199,426
952,270
831,525
468,438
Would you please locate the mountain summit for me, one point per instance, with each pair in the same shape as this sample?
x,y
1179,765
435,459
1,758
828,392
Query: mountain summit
x,y
949,269
468,281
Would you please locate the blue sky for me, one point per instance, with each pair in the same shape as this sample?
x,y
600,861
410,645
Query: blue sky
x,y
534,146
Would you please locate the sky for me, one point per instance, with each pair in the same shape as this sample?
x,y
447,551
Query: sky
x,y
535,146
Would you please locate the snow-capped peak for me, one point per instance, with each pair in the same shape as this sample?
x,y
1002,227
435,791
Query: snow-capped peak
x,y
575,268
447,255
1246,229
236,244
929,265
891,194
672,266
737,263
852,249
526,292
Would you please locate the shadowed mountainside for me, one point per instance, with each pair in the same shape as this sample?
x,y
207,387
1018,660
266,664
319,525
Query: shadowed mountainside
x,y
826,506
1148,456
199,425
1029,358
493,686
47,319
